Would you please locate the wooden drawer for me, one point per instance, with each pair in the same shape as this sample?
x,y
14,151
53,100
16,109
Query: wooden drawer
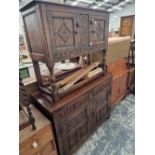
x,y
48,149
36,142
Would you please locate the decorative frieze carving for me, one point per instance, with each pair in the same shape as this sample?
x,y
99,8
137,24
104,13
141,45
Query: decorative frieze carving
x,y
75,105
62,55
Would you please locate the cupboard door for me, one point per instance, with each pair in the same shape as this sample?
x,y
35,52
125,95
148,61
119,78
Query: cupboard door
x,y
98,30
34,33
63,34
76,130
127,25
73,124
100,104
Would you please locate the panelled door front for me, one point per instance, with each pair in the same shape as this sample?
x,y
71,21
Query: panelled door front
x,y
76,130
100,104
98,30
74,123
127,25
63,31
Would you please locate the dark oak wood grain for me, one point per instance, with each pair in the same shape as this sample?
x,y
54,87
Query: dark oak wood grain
x,y
78,114
57,32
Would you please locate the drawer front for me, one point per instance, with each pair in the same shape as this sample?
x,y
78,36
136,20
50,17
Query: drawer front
x,y
48,149
35,143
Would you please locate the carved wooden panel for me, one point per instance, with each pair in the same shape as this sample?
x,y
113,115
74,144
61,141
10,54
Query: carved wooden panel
x,y
84,31
99,30
74,106
74,123
101,103
57,32
77,132
61,55
100,115
34,33
78,114
63,30
63,34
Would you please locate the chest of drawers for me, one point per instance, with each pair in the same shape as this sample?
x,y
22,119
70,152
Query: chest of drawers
x,y
40,141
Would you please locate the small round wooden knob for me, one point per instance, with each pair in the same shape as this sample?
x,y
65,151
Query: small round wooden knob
x,y
34,145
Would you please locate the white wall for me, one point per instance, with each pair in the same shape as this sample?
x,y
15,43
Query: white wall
x,y
114,22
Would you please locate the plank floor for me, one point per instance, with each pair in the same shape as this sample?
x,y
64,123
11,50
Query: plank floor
x,y
116,136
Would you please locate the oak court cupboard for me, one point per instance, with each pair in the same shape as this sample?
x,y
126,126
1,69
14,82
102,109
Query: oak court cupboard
x,y
56,32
